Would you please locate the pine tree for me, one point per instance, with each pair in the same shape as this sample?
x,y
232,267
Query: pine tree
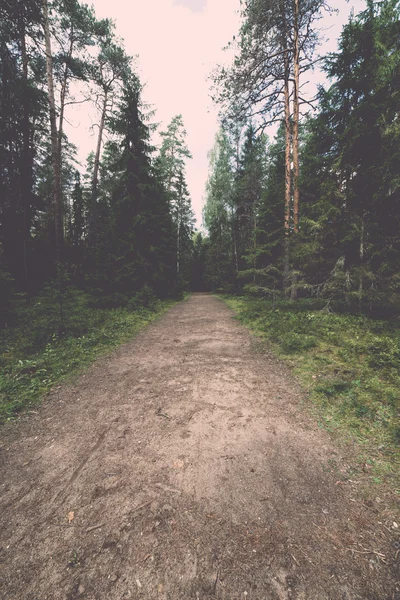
x,y
276,45
353,162
138,250
22,115
269,252
220,218
248,190
170,167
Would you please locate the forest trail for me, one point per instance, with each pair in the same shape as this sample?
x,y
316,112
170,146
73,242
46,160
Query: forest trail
x,y
187,469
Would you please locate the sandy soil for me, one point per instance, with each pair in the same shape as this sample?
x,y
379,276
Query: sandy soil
x,y
183,466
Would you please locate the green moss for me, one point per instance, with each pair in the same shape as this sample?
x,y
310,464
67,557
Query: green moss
x,y
349,365
27,374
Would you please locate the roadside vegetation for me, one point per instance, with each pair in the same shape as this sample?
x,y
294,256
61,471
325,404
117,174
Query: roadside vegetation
x,y
350,366
38,353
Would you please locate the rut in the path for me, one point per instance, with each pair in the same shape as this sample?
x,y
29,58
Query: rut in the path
x,y
192,470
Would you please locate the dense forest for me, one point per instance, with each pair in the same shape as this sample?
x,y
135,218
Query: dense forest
x,y
309,218
315,213
304,229
119,228
88,253
196,460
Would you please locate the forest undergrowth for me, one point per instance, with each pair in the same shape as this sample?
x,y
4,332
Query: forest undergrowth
x,y
350,367
40,350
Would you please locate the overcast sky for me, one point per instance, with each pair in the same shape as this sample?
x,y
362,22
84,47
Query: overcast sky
x,y
178,43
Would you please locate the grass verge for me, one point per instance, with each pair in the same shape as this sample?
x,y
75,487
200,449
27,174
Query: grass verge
x,y
350,367
27,374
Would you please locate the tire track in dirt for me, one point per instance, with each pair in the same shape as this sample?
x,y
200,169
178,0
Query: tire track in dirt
x,y
84,461
193,471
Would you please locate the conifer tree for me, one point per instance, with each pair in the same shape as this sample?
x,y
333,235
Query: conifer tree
x,y
170,167
276,45
220,218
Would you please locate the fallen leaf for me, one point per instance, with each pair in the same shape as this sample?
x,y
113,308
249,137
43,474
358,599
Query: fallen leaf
x,y
71,516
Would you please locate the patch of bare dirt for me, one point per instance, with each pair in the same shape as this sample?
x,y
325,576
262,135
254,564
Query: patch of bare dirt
x,y
183,467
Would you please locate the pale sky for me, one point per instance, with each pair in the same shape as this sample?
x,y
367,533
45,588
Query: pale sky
x,y
178,43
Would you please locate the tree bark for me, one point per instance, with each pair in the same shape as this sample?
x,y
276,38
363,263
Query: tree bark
x,y
255,245
235,250
178,250
96,164
296,118
361,277
63,95
288,143
26,168
57,201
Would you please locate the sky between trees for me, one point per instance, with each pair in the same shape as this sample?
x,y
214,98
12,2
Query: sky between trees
x,y
178,42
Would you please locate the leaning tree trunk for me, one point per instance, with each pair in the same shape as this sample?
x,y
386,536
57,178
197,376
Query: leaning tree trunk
x,y
54,139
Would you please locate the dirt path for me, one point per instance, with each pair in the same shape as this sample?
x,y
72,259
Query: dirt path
x,y
191,472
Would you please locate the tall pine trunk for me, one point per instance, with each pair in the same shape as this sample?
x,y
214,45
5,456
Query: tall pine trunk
x,y
96,164
63,95
178,251
296,118
26,168
255,245
57,201
288,142
361,275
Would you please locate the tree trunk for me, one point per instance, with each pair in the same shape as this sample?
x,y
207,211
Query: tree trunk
x,y
96,164
63,95
178,251
236,253
296,118
54,139
234,243
255,246
362,251
26,168
170,174
288,142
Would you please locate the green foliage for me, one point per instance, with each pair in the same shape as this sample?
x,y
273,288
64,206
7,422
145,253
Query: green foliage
x,y
296,342
349,364
347,248
170,168
34,356
349,244
200,248
131,243
221,264
119,230
9,299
